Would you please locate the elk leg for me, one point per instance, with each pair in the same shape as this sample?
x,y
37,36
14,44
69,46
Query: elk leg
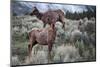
x,y
62,21
63,25
30,47
34,45
44,25
49,53
29,50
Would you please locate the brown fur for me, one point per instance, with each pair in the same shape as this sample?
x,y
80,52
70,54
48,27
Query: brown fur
x,y
49,17
42,37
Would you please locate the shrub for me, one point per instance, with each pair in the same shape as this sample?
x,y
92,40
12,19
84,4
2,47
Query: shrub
x,y
40,57
15,60
66,54
77,43
87,52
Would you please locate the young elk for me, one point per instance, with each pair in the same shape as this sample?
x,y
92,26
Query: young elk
x,y
45,36
56,15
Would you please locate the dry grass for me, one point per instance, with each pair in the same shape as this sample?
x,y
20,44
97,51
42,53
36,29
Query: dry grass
x,y
69,45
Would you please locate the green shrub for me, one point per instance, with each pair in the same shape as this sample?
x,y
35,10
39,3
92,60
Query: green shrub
x,y
87,52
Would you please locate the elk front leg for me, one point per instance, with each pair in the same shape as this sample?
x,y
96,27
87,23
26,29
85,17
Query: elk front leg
x,y
29,50
30,47
44,25
62,21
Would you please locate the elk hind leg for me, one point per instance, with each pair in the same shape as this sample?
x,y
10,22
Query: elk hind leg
x,y
49,52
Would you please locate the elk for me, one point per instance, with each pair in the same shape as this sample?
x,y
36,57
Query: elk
x,y
49,16
45,36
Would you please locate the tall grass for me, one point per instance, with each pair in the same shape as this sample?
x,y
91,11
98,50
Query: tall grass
x,y
69,45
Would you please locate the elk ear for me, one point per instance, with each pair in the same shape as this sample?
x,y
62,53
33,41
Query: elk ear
x,y
35,8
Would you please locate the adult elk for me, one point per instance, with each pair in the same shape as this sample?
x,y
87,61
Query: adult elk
x,y
45,36
49,16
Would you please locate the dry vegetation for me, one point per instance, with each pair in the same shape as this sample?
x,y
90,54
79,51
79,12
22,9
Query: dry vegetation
x,y
77,43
